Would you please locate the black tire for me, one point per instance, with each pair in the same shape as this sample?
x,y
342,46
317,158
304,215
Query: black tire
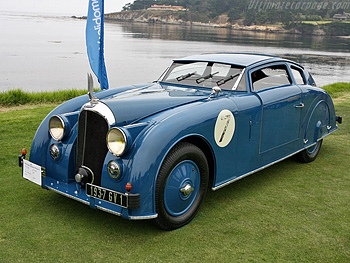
x,y
310,154
177,203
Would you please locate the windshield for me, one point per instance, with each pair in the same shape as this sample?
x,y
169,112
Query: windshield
x,y
206,74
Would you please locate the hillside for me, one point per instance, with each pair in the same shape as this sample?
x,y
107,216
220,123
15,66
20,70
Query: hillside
x,y
254,11
301,17
194,19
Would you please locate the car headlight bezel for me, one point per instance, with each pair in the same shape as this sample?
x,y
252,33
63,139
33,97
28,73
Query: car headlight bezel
x,y
117,141
57,127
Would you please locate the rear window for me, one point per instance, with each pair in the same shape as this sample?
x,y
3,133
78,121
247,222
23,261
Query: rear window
x,y
298,75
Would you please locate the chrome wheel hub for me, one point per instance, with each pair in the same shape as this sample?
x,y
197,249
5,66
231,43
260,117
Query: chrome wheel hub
x,y
187,190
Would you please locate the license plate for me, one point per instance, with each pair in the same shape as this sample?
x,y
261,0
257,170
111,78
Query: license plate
x,y
107,195
32,172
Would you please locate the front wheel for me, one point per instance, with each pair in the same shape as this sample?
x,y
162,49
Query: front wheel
x,y
181,186
310,154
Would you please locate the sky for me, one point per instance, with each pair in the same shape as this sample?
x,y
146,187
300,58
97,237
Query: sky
x,y
63,7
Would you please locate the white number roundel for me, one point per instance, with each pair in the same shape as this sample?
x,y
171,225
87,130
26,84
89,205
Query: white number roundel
x,y
224,128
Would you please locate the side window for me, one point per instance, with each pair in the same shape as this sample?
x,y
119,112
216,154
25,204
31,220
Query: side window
x,y
298,76
269,77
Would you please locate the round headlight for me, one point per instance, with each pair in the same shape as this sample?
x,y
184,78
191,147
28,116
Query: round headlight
x,y
116,141
56,127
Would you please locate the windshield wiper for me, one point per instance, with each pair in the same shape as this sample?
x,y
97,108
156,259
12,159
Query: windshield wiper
x,y
223,81
209,76
182,77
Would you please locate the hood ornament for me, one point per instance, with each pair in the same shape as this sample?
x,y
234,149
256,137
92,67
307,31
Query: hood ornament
x,y
93,99
215,91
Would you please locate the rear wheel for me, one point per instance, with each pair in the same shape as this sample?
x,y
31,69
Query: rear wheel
x,y
181,186
310,154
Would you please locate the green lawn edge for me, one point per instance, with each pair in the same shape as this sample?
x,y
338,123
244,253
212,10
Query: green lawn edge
x,y
18,97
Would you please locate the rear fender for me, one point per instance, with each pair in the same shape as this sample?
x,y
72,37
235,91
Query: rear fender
x,y
321,120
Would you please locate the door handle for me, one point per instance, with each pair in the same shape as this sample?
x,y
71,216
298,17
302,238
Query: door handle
x,y
301,105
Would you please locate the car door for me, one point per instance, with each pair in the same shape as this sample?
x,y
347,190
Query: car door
x,y
281,109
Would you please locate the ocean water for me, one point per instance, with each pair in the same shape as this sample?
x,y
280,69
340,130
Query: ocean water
x,y
40,53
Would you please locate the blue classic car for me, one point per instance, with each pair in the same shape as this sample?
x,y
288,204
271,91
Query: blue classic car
x,y
151,151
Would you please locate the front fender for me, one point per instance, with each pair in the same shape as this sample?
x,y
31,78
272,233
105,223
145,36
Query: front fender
x,y
42,137
149,151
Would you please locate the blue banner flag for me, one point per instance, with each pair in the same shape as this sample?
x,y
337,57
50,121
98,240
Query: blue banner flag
x,y
94,40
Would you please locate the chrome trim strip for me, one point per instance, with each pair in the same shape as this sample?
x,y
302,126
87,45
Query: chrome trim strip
x,y
67,195
143,217
235,86
263,167
130,217
101,109
108,210
329,132
84,141
257,170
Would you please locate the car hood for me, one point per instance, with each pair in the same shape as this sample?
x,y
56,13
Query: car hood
x,y
140,102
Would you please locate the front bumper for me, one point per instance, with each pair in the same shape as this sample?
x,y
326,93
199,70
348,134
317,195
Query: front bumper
x,y
105,201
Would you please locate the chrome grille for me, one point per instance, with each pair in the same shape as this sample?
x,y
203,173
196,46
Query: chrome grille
x,y
91,144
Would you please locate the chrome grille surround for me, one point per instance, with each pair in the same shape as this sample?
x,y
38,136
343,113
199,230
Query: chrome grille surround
x,y
94,122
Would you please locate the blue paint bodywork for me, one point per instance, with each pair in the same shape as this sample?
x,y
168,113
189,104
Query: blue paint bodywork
x,y
269,127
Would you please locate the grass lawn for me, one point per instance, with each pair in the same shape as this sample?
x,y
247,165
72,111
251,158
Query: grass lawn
x,y
290,212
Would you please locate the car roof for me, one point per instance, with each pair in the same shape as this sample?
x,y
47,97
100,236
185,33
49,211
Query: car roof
x,y
239,59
